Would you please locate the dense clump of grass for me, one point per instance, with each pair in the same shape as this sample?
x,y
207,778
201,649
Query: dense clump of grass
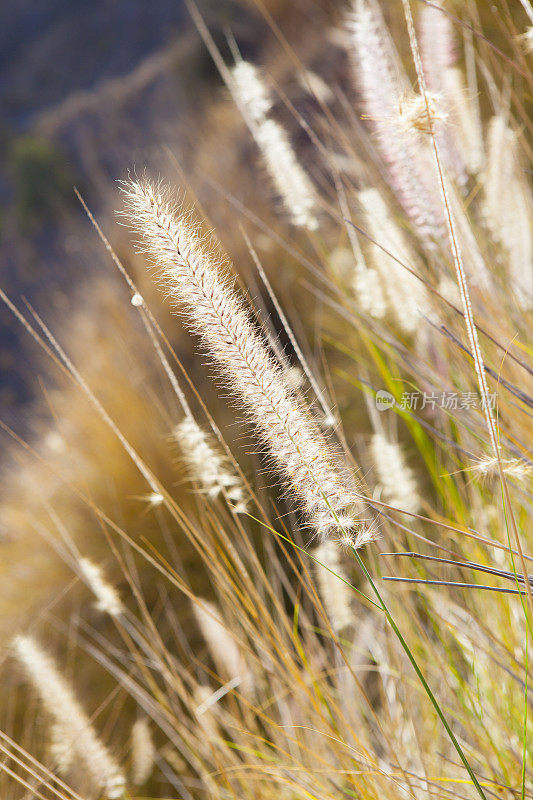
x,y
342,604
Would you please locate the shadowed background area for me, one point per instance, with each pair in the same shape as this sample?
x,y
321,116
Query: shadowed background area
x,y
87,92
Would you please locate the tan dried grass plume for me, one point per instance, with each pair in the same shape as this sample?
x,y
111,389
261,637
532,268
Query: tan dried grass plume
x,y
197,279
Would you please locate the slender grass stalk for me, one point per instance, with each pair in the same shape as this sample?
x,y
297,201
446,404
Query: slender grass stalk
x,y
226,654
420,674
524,734
467,305
438,52
329,417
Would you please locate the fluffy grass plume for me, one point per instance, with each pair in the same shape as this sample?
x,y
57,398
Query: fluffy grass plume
x,y
107,598
198,281
289,178
207,465
71,723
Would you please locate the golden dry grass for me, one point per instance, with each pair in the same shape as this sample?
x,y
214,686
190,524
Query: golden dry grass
x,y
285,697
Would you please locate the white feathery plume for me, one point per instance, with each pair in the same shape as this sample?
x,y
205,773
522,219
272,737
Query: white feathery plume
x,y
251,91
107,598
514,467
334,592
341,262
205,461
196,279
437,46
415,114
60,702
368,289
226,654
349,267
508,207
382,85
208,466
406,295
59,748
464,120
290,180
142,751
394,476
